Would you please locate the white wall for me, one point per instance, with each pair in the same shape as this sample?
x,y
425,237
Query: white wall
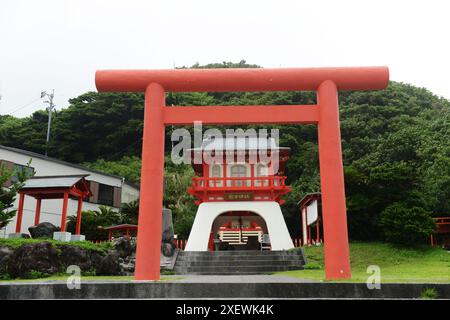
x,y
270,211
50,212
129,193
51,209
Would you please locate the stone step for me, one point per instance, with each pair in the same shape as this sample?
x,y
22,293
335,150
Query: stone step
x,y
241,263
235,258
238,262
239,259
235,270
239,253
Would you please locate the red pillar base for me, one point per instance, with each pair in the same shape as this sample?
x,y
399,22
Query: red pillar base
x,y
20,212
78,226
64,212
38,212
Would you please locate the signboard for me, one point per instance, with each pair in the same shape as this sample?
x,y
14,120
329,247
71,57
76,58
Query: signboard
x,y
238,196
311,213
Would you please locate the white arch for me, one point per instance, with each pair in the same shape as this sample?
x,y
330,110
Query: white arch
x,y
270,211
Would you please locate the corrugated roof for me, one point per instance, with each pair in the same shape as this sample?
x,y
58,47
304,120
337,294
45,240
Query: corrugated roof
x,y
53,182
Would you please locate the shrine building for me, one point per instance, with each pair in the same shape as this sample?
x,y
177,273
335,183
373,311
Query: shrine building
x,y
239,192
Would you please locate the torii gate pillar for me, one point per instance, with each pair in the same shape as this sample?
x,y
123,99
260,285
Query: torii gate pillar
x,y
148,249
326,81
334,213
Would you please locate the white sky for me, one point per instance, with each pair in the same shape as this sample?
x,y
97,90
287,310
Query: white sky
x,y
58,44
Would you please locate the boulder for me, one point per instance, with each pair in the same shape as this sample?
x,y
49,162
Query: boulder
x,y
109,265
123,246
5,256
36,257
43,230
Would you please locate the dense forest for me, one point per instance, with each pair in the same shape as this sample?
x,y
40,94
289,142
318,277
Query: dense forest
x,y
396,149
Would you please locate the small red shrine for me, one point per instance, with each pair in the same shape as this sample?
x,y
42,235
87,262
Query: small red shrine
x,y
239,186
54,187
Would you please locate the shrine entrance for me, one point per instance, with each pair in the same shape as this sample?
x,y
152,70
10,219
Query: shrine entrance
x,y
237,230
267,214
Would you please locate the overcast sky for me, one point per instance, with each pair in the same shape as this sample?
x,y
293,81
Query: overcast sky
x,y
58,44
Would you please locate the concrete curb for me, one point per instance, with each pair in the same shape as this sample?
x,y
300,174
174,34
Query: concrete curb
x,y
167,290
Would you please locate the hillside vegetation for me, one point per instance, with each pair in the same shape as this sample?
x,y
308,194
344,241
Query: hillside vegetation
x,y
396,149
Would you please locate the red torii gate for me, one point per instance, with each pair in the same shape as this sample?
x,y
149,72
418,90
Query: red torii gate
x,y
326,81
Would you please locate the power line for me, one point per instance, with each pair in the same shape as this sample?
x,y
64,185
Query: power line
x,y
12,111
124,149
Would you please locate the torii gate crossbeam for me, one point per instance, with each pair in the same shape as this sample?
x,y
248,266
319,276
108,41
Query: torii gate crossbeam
x,y
325,81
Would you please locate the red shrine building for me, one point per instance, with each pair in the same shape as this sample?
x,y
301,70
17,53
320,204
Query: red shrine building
x,y
239,185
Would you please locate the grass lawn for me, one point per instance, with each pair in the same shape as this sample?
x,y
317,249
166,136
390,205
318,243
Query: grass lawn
x,y
397,264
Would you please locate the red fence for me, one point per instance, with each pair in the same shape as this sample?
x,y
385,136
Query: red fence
x,y
442,235
238,183
181,243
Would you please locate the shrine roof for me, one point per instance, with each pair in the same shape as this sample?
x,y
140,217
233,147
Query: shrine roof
x,y
308,198
121,226
64,181
235,143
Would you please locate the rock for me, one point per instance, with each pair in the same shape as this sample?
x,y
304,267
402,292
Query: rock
x,y
127,266
167,225
123,246
109,265
75,255
36,257
167,249
43,230
5,256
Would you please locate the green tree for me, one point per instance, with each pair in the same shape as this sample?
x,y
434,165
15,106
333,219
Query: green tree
x,y
128,167
129,212
177,178
406,225
8,194
93,222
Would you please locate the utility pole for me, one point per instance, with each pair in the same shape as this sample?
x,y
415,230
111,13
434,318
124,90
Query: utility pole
x,y
50,110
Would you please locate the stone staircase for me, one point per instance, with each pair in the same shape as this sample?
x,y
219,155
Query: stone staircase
x,y
237,262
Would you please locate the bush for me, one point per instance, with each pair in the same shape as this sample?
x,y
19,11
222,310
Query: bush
x,y
93,222
87,245
8,194
312,266
35,274
406,225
